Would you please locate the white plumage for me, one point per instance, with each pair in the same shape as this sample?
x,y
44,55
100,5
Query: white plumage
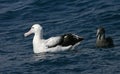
x,y
53,44
52,41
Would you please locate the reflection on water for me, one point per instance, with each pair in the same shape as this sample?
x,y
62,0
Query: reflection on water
x,y
43,56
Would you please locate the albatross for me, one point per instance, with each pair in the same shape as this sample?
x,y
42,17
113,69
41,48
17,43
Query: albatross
x,y
102,40
53,44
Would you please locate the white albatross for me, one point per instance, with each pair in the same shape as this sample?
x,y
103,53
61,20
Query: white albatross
x,y
53,44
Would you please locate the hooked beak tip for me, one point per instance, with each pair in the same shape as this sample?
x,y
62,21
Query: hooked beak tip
x,y
25,35
28,33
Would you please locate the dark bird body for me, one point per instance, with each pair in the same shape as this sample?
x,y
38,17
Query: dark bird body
x,y
102,41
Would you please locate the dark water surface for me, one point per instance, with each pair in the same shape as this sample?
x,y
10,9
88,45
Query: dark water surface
x,y
57,17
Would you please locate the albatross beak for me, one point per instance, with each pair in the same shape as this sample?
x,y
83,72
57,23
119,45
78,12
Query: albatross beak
x,y
28,33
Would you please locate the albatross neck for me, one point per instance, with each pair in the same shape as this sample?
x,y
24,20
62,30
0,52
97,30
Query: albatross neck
x,y
37,40
38,36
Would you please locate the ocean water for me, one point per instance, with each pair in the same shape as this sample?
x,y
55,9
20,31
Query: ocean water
x,y
57,17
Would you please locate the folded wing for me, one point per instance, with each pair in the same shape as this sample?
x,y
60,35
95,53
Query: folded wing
x,y
53,41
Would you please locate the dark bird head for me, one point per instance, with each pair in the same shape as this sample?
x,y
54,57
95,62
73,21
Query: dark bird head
x,y
100,31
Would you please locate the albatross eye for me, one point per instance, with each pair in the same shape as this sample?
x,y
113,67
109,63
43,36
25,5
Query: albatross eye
x,y
32,27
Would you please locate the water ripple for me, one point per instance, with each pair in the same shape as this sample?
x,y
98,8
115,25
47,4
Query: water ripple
x,y
59,17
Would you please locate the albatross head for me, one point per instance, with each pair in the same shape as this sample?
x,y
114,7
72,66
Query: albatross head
x,y
36,29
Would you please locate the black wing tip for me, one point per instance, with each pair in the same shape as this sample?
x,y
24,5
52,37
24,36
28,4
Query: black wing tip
x,y
81,38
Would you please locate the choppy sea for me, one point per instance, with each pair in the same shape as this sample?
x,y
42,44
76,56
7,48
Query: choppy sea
x,y
57,17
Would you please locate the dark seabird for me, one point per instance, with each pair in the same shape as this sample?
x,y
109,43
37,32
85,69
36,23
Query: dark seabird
x,y
102,41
